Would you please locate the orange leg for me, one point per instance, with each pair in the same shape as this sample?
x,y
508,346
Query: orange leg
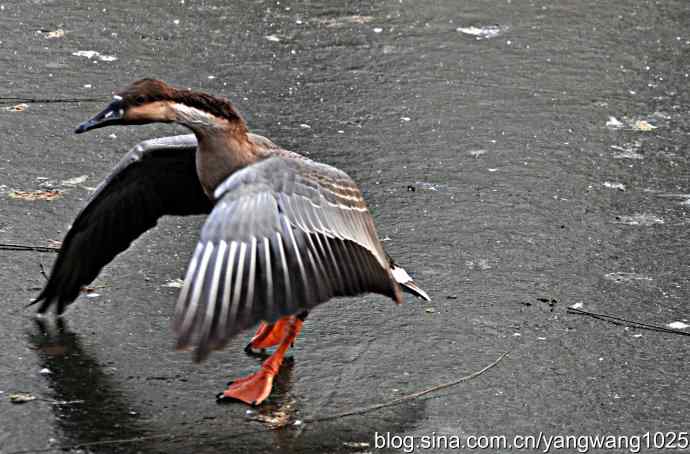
x,y
256,387
268,335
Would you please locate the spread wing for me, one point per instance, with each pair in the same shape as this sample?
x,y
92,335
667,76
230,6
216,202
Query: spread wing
x,y
284,236
156,178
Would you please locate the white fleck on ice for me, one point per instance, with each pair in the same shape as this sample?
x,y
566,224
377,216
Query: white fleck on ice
x,y
614,123
304,126
517,334
637,335
211,77
626,277
427,186
643,125
577,306
378,30
541,338
94,54
476,153
678,325
272,38
628,155
297,423
340,131
18,108
638,124
59,33
492,170
483,264
483,32
112,136
74,181
88,86
629,151
176,21
45,371
643,219
175,283
612,185
93,295
405,119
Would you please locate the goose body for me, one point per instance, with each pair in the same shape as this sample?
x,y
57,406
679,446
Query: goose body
x,y
284,233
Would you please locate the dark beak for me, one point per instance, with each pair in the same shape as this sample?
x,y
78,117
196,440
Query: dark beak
x,y
111,115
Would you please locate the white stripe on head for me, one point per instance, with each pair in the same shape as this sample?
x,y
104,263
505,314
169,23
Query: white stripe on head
x,y
193,117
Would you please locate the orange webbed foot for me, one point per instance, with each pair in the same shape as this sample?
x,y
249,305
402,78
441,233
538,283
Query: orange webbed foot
x,y
251,390
255,388
269,335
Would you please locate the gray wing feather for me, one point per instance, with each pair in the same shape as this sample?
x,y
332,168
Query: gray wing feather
x,y
284,236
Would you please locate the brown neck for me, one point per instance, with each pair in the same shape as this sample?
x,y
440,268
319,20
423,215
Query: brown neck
x,y
221,153
224,143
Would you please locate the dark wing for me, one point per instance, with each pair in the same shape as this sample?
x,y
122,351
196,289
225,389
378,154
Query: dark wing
x,y
155,178
284,236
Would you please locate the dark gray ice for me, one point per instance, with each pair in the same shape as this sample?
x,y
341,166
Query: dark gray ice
x,y
483,136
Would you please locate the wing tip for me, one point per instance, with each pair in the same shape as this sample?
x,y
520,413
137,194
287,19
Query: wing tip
x,y
33,302
46,301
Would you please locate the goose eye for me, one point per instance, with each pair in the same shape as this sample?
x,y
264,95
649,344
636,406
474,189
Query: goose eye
x,y
139,100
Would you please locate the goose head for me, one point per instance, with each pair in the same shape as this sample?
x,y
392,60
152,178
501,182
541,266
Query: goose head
x,y
153,101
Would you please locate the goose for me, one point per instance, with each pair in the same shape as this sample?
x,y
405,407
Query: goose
x,y
283,233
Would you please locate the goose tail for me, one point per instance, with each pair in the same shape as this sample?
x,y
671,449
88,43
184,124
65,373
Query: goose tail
x,y
407,283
